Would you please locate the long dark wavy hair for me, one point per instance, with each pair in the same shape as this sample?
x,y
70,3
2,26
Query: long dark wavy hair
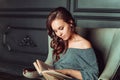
x,y
58,44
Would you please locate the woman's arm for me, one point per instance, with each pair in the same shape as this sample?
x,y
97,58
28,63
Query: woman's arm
x,y
70,72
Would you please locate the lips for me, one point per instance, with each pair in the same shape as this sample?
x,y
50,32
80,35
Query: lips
x,y
61,37
64,37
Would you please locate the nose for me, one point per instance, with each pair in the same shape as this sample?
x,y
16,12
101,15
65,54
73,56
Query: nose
x,y
59,33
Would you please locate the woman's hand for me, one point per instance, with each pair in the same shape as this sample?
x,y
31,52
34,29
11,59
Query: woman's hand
x,y
30,73
70,72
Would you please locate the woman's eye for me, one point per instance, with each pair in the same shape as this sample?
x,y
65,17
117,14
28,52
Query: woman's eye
x,y
55,31
61,28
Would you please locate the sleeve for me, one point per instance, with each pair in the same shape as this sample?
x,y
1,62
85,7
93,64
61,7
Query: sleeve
x,y
88,65
89,75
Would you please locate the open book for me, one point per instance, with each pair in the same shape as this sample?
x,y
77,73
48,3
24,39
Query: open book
x,y
48,72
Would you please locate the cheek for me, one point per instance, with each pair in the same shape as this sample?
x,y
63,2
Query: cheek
x,y
68,32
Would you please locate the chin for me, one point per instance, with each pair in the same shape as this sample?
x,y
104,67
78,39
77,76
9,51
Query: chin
x,y
65,39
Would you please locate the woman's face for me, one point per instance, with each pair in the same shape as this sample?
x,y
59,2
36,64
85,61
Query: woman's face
x,y
61,29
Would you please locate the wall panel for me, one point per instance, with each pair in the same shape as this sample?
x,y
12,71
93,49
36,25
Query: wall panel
x,y
96,12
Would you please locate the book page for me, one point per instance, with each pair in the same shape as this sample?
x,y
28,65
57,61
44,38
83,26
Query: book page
x,y
43,66
58,75
37,68
48,72
49,77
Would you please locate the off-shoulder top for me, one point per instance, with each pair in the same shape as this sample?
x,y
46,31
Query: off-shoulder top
x,y
83,60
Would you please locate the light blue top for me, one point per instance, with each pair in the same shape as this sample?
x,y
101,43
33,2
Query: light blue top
x,y
83,60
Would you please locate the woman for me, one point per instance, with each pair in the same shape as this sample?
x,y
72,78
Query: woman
x,y
72,54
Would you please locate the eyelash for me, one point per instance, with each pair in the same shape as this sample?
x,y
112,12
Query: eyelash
x,y
61,28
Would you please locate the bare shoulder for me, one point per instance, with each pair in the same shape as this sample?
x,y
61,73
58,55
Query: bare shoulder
x,y
84,44
80,43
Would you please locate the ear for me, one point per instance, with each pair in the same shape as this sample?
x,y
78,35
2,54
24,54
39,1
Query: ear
x,y
71,21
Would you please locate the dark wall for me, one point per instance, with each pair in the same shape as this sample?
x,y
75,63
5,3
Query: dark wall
x,y
23,34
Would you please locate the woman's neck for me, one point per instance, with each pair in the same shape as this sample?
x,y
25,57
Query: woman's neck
x,y
74,37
